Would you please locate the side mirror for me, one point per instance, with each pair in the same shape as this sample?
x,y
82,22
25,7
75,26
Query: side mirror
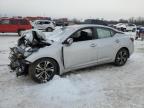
x,y
69,41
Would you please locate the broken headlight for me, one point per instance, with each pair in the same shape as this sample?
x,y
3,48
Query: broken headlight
x,y
29,51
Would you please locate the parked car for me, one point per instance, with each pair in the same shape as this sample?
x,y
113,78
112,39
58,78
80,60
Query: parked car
x,y
61,22
70,48
46,25
120,26
15,25
125,27
131,27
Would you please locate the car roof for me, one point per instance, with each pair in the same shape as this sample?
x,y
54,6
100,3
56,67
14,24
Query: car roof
x,y
42,20
13,19
93,25
88,25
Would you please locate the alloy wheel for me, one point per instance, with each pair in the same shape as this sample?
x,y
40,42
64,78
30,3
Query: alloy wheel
x,y
121,57
44,71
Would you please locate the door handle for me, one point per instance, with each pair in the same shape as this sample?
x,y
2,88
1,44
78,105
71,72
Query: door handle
x,y
93,45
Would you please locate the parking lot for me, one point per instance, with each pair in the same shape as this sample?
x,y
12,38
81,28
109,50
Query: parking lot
x,y
104,86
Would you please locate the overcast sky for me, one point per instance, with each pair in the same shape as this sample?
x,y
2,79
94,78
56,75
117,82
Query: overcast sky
x,y
107,9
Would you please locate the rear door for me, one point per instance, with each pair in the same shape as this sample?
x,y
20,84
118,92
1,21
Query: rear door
x,y
46,24
107,44
39,25
8,25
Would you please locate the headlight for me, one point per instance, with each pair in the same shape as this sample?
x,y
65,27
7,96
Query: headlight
x,y
29,51
26,54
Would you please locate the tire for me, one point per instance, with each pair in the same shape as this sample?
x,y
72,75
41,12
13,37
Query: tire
x,y
123,29
121,57
134,30
43,70
20,32
49,29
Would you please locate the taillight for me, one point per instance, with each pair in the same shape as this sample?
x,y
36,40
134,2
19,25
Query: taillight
x,y
132,39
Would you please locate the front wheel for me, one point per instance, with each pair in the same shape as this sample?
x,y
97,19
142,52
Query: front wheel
x,y
121,57
43,70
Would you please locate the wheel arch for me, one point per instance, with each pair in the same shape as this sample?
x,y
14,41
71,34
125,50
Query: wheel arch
x,y
126,49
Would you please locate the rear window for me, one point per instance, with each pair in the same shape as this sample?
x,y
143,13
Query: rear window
x,y
23,22
5,21
104,33
13,22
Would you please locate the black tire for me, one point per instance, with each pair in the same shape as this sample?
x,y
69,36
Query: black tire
x,y
121,57
43,70
134,30
20,32
49,29
123,29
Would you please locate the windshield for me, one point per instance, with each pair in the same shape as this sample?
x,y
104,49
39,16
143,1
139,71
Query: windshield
x,y
59,34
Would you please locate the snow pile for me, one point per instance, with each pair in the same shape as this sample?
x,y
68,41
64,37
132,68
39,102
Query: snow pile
x,y
58,89
67,90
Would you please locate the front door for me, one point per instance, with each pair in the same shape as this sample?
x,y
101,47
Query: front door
x,y
82,51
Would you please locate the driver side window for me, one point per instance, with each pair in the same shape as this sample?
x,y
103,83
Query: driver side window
x,y
83,35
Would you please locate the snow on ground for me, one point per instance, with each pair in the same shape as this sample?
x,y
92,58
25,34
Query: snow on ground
x,y
104,86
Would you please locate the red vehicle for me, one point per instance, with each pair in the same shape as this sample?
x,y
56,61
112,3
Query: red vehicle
x,y
14,25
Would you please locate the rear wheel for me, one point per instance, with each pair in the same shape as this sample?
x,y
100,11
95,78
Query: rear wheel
x,y
49,29
123,29
20,32
43,70
121,57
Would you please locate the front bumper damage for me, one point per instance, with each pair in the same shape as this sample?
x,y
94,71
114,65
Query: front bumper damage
x,y
18,62
29,43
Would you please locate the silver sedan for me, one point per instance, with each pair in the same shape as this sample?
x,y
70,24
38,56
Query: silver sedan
x,y
69,48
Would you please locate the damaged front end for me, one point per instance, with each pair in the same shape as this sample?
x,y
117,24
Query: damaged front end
x,y
17,61
28,44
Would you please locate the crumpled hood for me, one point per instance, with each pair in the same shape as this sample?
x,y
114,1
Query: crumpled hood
x,y
33,37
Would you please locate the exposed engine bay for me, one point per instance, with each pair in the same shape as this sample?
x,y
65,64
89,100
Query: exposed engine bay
x,y
30,41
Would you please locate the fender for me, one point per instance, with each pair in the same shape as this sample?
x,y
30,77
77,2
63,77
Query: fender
x,y
55,54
